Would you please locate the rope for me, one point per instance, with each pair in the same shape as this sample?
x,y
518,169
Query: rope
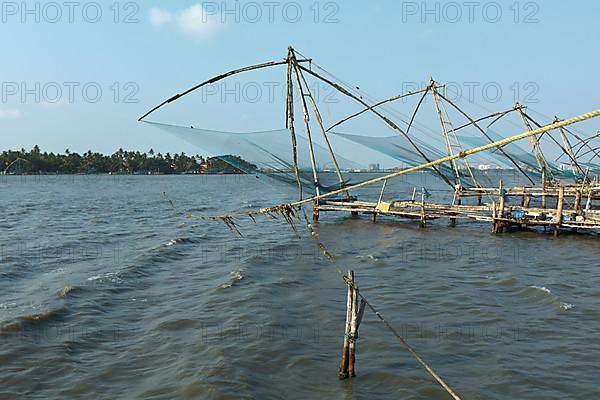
x,y
407,346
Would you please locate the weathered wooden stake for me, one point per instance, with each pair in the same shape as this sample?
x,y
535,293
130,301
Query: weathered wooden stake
x,y
559,210
355,308
578,201
526,200
499,225
343,373
353,333
543,189
422,223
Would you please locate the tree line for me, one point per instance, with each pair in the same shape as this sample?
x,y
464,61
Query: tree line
x,y
122,162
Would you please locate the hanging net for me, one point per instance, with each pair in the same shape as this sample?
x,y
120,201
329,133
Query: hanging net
x,y
268,154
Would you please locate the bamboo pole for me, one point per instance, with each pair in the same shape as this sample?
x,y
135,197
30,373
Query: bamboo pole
x,y
322,127
343,373
216,79
445,135
389,122
565,148
353,332
379,201
559,211
290,120
308,136
577,204
422,223
588,204
462,154
496,114
499,225
414,114
535,145
375,106
569,150
441,108
476,125
543,188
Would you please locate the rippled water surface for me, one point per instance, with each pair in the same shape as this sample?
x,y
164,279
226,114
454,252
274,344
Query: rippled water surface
x,y
107,292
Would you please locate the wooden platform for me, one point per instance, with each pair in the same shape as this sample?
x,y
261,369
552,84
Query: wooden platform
x,y
571,208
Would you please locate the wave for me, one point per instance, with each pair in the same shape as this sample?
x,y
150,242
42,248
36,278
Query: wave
x,y
236,276
553,299
541,288
114,277
44,317
68,290
367,257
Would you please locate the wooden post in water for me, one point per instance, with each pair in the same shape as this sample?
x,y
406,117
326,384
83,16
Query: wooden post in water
x,y
543,189
355,308
559,210
454,200
353,333
422,224
498,225
578,201
343,373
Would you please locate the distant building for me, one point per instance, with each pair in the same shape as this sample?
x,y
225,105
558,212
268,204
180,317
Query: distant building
x,y
487,167
565,167
374,167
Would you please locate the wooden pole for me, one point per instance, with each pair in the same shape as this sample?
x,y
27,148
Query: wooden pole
x,y
526,199
313,161
444,121
214,80
320,123
445,135
343,373
577,205
588,204
422,223
474,123
389,122
398,97
535,145
290,120
543,189
355,309
559,210
500,224
353,332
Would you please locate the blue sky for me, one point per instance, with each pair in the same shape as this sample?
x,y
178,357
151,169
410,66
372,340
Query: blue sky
x,y
168,46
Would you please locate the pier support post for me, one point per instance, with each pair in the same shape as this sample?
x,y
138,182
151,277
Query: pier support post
x,y
499,225
559,211
578,201
526,199
422,224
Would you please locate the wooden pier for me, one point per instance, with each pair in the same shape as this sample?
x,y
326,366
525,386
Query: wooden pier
x,y
555,207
